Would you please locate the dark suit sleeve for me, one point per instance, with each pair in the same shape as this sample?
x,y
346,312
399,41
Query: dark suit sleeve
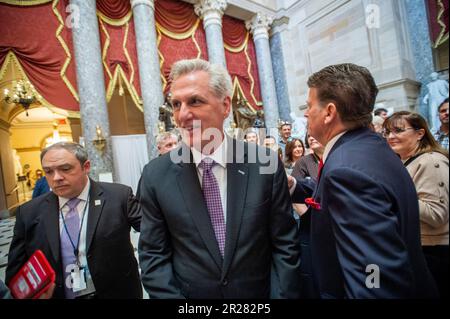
x,y
285,241
366,233
134,213
155,251
17,256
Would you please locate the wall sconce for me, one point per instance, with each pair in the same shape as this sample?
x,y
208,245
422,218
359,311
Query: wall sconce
x,y
99,142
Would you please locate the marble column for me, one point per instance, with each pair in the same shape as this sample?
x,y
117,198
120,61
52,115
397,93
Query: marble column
x,y
279,27
91,88
259,26
149,70
211,12
421,46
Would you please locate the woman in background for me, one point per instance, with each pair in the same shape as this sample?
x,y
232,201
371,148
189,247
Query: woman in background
x,y
409,136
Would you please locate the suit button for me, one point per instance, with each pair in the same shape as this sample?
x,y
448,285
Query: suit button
x,y
224,282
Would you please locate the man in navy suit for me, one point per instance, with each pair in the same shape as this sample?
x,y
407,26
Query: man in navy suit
x,y
365,235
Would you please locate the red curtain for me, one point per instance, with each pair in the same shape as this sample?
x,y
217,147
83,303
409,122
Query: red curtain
x,y
118,42
180,35
240,55
30,32
114,9
438,21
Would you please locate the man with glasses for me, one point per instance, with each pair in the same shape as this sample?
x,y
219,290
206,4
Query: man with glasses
x,y
441,135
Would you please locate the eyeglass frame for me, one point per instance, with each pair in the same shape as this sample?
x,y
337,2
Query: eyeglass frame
x,y
385,133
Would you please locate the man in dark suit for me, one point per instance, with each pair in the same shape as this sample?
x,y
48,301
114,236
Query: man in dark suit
x,y
82,227
365,235
213,218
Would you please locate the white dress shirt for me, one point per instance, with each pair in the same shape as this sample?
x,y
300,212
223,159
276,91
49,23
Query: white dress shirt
x,y
219,171
84,196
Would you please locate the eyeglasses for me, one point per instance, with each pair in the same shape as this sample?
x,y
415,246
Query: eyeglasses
x,y
396,131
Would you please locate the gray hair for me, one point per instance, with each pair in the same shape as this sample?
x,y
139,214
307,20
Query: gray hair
x,y
164,136
219,78
74,148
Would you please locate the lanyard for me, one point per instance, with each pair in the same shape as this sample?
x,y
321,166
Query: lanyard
x,y
75,249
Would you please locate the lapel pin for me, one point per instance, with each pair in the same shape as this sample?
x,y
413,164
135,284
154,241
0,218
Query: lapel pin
x,y
241,172
97,202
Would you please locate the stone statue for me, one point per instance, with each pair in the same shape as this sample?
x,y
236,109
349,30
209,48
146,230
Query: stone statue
x,y
245,117
165,118
298,126
437,92
17,165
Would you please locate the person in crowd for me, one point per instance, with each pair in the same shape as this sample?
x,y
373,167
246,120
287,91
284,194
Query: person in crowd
x,y
365,239
308,165
441,135
381,112
285,131
41,186
427,163
213,220
377,123
82,227
271,143
251,137
295,149
166,142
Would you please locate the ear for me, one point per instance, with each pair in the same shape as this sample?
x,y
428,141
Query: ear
x,y
420,134
227,106
87,166
330,113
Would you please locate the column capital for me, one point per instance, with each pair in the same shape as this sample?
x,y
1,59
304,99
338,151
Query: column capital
x,y
211,11
259,25
279,25
150,3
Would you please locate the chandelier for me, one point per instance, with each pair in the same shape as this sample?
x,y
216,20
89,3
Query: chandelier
x,y
23,94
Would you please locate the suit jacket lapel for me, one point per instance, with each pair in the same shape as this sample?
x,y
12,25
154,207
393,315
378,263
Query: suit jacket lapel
x,y
95,211
237,180
189,186
51,222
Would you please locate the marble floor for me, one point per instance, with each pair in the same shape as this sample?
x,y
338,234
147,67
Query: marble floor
x,y
6,234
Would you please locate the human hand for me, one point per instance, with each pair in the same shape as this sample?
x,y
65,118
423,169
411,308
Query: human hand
x,y
290,181
49,293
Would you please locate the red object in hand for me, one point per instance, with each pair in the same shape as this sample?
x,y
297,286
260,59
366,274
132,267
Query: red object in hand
x,y
33,279
310,202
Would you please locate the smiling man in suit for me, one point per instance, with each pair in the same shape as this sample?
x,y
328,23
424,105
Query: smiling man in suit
x,y
214,219
365,235
82,227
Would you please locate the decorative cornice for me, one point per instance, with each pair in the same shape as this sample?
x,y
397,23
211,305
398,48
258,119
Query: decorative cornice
x,y
150,3
211,11
279,25
259,25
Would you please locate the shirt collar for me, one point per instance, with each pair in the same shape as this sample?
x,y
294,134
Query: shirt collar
x,y
219,156
330,145
83,195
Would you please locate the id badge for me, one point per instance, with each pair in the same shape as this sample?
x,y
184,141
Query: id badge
x,y
78,279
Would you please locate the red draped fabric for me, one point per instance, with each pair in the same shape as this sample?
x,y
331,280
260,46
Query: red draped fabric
x,y
180,35
438,21
36,35
118,43
114,9
240,55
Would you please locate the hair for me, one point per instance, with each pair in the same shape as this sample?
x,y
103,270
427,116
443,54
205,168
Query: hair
x,y
270,136
417,122
219,78
306,140
74,148
251,132
442,104
161,138
379,110
290,148
351,88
